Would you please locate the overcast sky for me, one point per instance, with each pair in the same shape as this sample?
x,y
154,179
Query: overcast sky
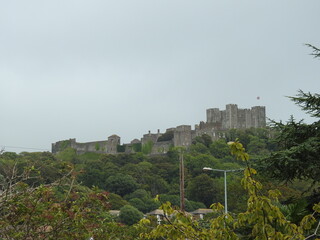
x,y
90,69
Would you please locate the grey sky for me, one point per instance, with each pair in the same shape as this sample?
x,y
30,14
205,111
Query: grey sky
x,y
90,69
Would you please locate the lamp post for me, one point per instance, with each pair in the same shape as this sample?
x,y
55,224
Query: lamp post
x,y
225,183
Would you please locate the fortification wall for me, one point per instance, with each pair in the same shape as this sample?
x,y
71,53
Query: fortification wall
x,y
153,137
161,147
231,116
133,146
213,133
213,115
258,116
242,120
106,146
234,117
62,145
97,146
248,116
218,122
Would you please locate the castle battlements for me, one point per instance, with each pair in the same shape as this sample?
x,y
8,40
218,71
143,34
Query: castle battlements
x,y
218,122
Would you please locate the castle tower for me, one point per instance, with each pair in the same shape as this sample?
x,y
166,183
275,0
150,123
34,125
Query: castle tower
x,y
213,115
231,116
61,145
248,117
113,142
182,136
258,116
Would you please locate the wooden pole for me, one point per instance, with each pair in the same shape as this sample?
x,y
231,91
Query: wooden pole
x,y
182,204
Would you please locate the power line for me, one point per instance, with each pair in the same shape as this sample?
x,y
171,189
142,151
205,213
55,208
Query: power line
x,y
16,147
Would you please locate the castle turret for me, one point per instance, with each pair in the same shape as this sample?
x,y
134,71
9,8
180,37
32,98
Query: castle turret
x,y
113,142
213,115
182,136
62,145
258,116
150,137
231,116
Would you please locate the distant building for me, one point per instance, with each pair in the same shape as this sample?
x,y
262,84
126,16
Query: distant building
x,y
158,213
218,122
199,213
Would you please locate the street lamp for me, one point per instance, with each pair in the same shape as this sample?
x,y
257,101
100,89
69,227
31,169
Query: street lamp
x,y
225,183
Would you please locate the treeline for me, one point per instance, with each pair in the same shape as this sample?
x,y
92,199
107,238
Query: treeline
x,y
135,179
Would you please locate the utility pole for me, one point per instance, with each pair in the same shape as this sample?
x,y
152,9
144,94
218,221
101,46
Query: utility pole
x,y
182,205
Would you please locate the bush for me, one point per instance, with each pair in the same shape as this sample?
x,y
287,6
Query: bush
x,y
129,215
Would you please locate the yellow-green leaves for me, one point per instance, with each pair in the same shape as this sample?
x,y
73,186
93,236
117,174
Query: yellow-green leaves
x,y
262,220
238,150
316,208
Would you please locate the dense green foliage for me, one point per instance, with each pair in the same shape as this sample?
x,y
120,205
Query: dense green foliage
x,y
127,176
46,194
167,136
262,219
297,155
147,147
130,215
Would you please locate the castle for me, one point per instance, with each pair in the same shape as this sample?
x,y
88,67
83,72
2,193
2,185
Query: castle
x,y
218,122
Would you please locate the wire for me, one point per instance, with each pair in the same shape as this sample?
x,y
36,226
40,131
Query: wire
x,y
2,146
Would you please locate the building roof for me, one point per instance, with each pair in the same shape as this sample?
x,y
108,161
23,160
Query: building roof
x,y
114,136
156,212
114,212
202,211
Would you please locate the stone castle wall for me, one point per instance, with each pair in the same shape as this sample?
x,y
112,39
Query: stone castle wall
x,y
98,146
234,117
218,122
161,147
108,146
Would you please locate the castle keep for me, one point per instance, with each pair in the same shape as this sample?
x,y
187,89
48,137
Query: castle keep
x,y
218,121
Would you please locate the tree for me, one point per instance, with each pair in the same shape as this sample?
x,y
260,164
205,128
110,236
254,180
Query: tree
x,y
298,144
121,184
262,219
198,147
61,209
316,51
141,199
257,145
130,215
138,171
219,149
156,185
147,147
95,172
167,136
68,154
204,189
196,163
116,201
175,201
205,139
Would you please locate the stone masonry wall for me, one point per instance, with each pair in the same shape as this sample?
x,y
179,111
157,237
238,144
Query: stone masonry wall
x,y
182,136
234,117
218,122
98,147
